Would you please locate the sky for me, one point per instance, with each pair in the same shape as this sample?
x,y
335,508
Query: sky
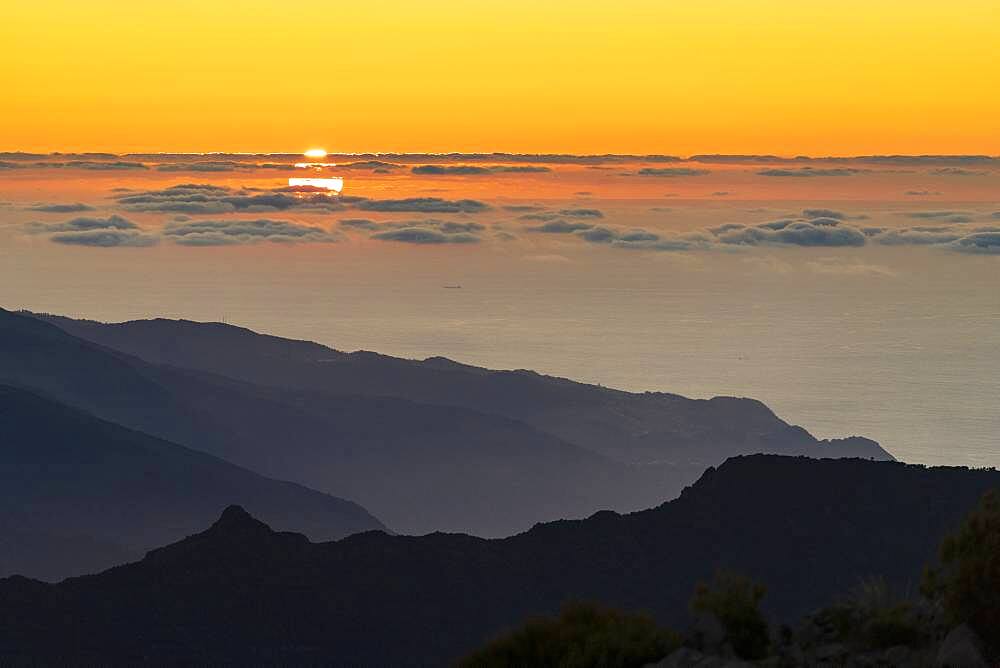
x,y
824,77
853,294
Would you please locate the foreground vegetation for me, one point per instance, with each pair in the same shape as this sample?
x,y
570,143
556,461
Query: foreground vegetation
x,y
583,635
952,621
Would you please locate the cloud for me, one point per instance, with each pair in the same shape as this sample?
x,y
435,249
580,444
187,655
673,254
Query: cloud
x,y
598,235
947,216
521,169
423,205
543,217
206,166
828,222
275,165
451,227
824,213
777,224
917,237
193,198
200,199
283,202
374,165
523,207
473,170
638,236
982,240
450,170
797,233
582,213
957,171
811,171
921,193
908,160
61,208
811,217
105,239
726,227
231,232
982,243
359,224
429,231
928,159
83,224
560,227
92,165
641,239
421,235
672,172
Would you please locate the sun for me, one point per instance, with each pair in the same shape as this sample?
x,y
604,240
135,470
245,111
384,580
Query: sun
x,y
315,153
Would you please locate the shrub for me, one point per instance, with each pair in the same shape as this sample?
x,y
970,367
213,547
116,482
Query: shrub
x,y
967,580
735,601
872,616
884,618
583,636
891,626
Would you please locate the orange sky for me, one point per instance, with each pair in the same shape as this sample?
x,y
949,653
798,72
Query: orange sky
x,y
778,76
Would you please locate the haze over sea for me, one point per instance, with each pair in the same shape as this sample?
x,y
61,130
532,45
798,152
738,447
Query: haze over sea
x,y
870,314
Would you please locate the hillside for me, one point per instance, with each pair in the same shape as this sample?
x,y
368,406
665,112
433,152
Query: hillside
x,y
808,529
418,467
79,494
635,429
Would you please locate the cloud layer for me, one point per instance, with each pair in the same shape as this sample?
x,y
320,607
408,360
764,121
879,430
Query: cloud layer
x,y
231,232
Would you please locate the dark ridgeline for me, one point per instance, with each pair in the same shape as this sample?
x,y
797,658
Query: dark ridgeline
x,y
425,445
79,494
418,467
632,428
807,529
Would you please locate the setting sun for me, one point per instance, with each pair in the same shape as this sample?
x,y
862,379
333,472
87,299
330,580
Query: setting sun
x,y
315,153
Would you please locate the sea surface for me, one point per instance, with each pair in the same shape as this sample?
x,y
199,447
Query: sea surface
x,y
911,360
893,333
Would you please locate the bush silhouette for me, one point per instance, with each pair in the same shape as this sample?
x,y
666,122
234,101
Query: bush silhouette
x,y
967,581
735,601
879,618
583,636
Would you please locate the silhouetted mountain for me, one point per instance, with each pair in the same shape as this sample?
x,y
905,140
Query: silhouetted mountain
x,y
632,428
417,467
79,494
808,529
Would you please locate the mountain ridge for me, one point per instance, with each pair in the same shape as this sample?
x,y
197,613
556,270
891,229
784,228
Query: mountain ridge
x,y
633,428
407,462
806,528
81,494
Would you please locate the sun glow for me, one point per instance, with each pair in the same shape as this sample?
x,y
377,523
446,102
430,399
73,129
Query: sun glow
x,y
315,153
335,184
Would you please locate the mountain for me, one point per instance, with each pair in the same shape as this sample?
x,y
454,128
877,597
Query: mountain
x,y
418,467
633,428
239,592
79,494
